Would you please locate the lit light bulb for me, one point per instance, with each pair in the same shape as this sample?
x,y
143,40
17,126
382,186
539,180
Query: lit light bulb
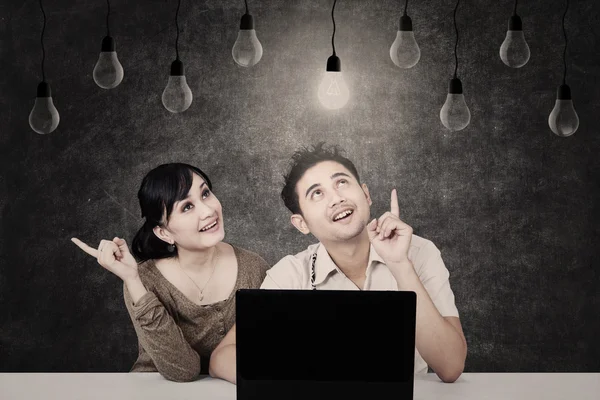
x,y
333,92
108,72
247,50
177,96
563,119
514,51
405,52
455,114
43,117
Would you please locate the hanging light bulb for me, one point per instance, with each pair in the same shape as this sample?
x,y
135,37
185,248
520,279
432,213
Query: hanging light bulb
x,y
455,114
108,72
514,51
563,119
44,117
177,96
247,50
333,92
405,52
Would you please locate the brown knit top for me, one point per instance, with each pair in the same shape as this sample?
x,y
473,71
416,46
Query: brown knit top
x,y
176,336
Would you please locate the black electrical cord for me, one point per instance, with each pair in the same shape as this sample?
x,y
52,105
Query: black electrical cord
x,y
456,44
177,26
565,50
42,41
333,19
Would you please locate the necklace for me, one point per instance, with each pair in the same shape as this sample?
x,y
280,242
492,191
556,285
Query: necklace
x,y
201,291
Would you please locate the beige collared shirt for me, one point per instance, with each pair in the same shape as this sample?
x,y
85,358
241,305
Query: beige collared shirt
x,y
293,272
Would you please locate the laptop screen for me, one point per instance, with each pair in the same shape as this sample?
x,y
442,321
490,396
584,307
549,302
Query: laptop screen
x,y
325,335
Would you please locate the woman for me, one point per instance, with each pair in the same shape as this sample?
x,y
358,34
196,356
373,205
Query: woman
x,y
181,295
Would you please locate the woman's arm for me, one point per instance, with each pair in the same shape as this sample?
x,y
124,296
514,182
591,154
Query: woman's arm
x,y
223,360
157,333
160,336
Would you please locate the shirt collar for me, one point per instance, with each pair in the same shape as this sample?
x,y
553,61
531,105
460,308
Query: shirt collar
x,y
325,265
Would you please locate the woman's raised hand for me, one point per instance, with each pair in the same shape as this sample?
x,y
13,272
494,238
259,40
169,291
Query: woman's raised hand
x,y
114,256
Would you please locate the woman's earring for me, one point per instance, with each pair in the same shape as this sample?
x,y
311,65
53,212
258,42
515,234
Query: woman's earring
x,y
171,248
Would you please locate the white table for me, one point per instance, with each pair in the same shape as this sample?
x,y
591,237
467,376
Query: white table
x,y
146,386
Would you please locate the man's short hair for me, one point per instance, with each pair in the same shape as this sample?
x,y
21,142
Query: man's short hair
x,y
304,159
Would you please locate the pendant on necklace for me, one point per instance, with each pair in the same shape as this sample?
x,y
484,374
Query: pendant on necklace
x,y
201,296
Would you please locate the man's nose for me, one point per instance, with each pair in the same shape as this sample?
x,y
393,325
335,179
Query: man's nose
x,y
336,199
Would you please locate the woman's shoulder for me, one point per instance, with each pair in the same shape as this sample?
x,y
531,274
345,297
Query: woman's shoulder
x,y
250,260
247,255
148,273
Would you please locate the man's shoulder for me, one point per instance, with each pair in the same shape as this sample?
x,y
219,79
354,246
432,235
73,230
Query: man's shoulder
x,y
419,242
421,248
291,271
298,261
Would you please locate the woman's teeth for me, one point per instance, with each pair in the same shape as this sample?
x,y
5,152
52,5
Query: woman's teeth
x,y
208,227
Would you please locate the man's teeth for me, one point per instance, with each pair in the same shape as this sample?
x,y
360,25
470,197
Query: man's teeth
x,y
342,215
208,227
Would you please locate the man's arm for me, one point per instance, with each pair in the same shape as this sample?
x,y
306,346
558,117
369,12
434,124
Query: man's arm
x,y
222,364
439,340
223,359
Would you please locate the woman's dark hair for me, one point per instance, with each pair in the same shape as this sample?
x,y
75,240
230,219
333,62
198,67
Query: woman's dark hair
x,y
304,159
161,188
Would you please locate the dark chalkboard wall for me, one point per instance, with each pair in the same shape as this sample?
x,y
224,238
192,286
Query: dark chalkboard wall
x,y
513,208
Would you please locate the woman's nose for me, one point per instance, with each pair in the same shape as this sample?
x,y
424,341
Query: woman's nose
x,y
205,211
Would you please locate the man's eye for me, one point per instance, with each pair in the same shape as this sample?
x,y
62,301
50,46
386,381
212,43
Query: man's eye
x,y
205,194
317,193
342,182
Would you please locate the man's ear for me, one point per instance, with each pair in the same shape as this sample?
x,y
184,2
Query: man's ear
x,y
163,234
300,224
366,190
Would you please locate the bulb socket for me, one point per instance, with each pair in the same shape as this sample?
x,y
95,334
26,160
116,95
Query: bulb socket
x,y
247,22
177,68
108,44
405,23
515,23
43,90
455,86
563,93
334,64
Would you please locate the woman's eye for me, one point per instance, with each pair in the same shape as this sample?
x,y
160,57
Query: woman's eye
x,y
187,207
205,194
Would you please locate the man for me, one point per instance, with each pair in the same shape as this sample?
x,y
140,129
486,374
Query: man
x,y
324,194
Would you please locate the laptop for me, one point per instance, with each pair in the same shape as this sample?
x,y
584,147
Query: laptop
x,y
325,344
